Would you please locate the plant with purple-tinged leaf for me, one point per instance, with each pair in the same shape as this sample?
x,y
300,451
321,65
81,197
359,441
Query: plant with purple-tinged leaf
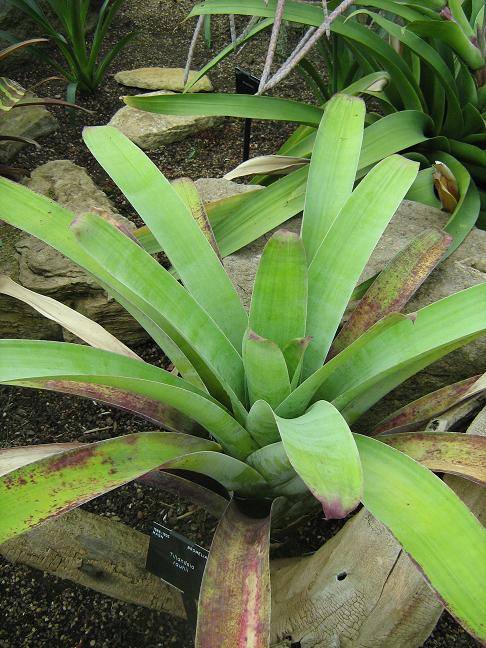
x,y
256,405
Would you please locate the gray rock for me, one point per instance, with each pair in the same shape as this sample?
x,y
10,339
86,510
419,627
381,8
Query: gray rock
x,y
213,189
70,186
31,122
41,268
150,131
161,78
16,22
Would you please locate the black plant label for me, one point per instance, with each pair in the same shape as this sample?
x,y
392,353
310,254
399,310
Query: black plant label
x,y
176,560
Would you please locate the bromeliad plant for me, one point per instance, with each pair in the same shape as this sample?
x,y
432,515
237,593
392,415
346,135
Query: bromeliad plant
x,y
274,390
431,92
66,25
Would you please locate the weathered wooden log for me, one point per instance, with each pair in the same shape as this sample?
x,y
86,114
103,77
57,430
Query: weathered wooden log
x,y
97,552
359,590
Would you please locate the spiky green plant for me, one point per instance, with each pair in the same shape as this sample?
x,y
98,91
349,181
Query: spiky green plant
x,y
264,401
65,23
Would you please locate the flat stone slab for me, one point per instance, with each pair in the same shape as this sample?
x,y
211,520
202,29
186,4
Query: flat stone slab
x,y
150,130
160,78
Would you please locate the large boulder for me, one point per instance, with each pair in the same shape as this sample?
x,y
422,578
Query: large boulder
x,y
161,78
150,130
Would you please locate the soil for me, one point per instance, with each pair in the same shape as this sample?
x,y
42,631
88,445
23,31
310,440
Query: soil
x,y
38,610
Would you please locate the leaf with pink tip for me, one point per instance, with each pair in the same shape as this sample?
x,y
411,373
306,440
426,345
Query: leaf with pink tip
x,y
321,448
234,602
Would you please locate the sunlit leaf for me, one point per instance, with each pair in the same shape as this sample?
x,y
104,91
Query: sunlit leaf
x,y
416,505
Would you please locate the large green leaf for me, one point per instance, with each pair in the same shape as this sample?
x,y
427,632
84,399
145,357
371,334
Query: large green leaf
x,y
230,105
457,454
433,525
279,299
267,376
333,168
50,222
234,602
139,278
342,256
408,347
322,451
55,484
391,351
172,224
57,365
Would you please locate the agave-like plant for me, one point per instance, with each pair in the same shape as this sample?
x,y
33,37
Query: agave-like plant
x,y
65,23
264,401
431,91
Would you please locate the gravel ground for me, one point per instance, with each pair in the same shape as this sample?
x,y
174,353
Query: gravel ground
x,y
41,611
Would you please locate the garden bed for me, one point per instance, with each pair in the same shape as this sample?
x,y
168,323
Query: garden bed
x,y
37,610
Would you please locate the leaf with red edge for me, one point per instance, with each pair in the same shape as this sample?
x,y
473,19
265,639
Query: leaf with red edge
x,y
415,414
55,484
187,190
394,286
152,410
13,458
234,602
457,454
